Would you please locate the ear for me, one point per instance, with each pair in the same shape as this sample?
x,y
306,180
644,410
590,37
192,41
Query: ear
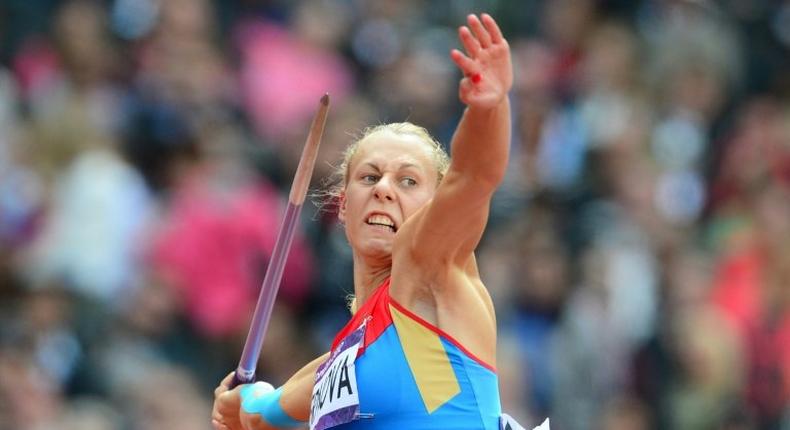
x,y
341,208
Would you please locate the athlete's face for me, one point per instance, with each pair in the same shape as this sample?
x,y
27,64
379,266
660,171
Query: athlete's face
x,y
390,177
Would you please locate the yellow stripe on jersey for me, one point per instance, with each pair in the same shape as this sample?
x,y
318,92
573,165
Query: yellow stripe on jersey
x,y
428,361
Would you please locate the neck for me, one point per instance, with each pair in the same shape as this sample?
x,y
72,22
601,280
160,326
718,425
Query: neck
x,y
368,275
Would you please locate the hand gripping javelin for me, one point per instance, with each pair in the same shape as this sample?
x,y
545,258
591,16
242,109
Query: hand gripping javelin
x,y
245,373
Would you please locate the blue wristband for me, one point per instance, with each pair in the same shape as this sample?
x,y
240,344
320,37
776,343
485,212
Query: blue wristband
x,y
268,406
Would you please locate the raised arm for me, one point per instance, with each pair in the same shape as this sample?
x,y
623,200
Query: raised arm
x,y
451,226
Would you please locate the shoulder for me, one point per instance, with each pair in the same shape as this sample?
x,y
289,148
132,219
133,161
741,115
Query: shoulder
x,y
452,299
409,249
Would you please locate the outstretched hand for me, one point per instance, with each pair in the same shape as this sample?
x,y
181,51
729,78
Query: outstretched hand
x,y
488,72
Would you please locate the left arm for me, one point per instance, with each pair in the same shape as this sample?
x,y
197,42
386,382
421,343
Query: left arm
x,y
450,227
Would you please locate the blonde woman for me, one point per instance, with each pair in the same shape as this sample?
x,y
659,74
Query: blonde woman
x,y
419,351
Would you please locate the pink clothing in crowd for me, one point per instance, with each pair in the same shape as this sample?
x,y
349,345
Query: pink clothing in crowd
x,y
282,77
213,248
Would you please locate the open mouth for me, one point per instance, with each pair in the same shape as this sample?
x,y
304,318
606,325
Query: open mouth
x,y
382,221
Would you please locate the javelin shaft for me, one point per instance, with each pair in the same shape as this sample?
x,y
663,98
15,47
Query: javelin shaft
x,y
260,321
245,372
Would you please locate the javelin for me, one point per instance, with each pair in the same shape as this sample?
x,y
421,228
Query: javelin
x,y
245,373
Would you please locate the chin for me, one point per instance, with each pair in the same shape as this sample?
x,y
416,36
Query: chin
x,y
376,248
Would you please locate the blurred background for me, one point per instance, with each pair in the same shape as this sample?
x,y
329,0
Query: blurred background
x,y
638,252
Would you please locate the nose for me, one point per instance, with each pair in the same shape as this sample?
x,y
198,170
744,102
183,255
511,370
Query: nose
x,y
383,190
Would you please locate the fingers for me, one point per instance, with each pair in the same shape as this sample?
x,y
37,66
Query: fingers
x,y
479,31
224,385
471,45
218,422
493,28
479,34
466,64
225,411
228,379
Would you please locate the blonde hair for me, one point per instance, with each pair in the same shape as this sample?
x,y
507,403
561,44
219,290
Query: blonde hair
x,y
339,178
351,303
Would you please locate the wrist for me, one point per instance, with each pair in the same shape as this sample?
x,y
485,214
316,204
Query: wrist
x,y
267,405
491,109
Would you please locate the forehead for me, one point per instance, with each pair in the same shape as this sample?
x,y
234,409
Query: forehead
x,y
385,148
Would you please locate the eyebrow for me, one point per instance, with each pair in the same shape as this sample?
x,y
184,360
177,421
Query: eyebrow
x,y
373,166
401,167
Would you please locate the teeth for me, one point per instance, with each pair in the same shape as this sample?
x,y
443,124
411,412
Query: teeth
x,y
381,220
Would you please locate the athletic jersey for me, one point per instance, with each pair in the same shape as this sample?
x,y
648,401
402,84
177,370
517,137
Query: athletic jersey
x,y
408,375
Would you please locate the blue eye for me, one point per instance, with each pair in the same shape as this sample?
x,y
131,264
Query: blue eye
x,y
369,179
408,182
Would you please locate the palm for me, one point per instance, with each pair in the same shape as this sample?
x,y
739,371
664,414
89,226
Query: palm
x,y
486,64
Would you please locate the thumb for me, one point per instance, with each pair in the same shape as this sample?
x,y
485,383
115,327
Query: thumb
x,y
465,89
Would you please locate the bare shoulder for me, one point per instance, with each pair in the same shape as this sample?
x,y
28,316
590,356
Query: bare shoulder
x,y
451,297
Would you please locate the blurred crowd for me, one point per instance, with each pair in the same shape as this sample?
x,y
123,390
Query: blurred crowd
x,y
638,251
